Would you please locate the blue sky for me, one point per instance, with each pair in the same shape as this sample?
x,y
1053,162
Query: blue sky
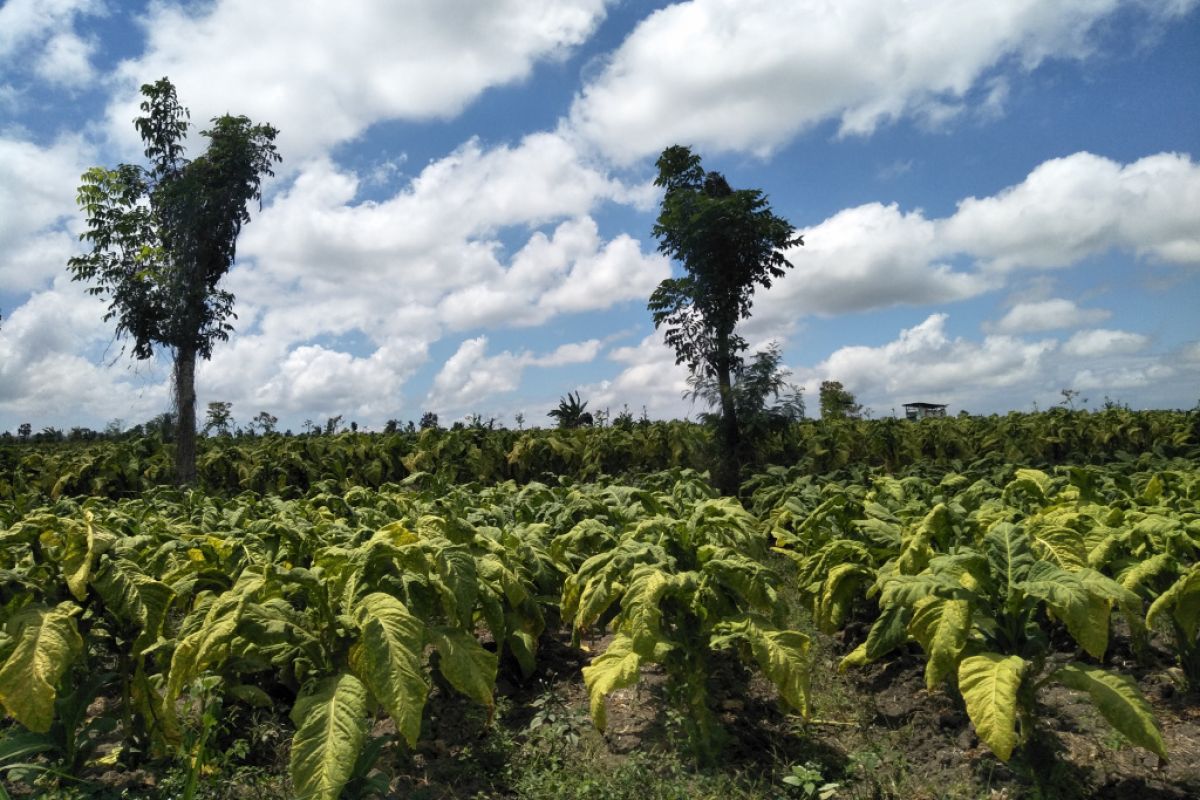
x,y
1000,200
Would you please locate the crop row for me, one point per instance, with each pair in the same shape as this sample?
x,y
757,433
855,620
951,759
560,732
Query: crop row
x,y
342,605
293,466
987,575
336,605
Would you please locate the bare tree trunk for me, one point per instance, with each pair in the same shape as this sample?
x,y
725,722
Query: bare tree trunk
x,y
185,408
729,466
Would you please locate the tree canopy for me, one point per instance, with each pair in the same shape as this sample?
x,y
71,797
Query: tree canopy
x,y
837,402
163,235
729,243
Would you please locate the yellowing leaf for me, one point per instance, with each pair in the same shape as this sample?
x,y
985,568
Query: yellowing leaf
x,y
1060,545
48,642
134,598
330,728
387,658
783,658
1119,701
1008,554
641,617
615,668
989,684
855,658
941,626
83,547
838,593
1084,612
466,664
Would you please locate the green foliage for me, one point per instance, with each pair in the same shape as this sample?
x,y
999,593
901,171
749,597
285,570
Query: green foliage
x,y
982,575
293,466
163,236
837,402
173,604
678,590
219,418
1180,604
729,243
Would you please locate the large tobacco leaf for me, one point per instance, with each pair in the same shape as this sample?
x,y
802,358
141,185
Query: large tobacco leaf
x,y
48,642
330,730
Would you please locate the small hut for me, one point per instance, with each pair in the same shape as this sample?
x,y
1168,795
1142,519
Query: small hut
x,y
917,411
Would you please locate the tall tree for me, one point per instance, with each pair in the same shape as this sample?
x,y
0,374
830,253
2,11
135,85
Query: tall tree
x,y
163,236
838,402
729,242
219,418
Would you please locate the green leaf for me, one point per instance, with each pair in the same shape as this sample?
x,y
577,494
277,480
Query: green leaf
x,y
206,646
746,577
615,668
523,645
457,582
989,684
466,664
1146,573
783,658
330,728
1009,555
1084,612
48,642
1182,600
641,617
1034,482
942,627
1119,701
1153,491
135,598
889,631
387,658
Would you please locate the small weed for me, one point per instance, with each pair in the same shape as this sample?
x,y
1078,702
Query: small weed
x,y
808,781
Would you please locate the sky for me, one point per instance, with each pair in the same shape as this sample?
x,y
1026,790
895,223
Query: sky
x,y
1000,201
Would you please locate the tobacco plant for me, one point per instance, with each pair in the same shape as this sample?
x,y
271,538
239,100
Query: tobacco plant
x,y
983,618
677,591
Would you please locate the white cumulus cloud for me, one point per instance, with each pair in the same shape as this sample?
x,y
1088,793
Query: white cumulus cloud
x,y
471,377
750,74
67,60
1073,207
1048,315
26,22
1066,210
323,72
37,200
1103,342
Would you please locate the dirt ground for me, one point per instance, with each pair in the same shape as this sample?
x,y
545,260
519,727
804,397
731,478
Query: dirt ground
x,y
879,733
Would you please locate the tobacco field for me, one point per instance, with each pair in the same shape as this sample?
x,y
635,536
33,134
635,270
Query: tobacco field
x,y
980,607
